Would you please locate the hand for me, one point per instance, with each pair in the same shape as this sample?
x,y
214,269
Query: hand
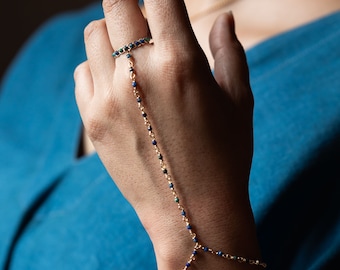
x,y
203,126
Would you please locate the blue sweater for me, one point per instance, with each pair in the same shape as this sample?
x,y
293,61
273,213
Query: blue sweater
x,y
59,211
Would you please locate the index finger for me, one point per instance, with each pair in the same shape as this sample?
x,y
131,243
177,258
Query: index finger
x,y
168,20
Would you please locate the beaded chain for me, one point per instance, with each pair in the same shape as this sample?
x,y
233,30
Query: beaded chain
x,y
198,246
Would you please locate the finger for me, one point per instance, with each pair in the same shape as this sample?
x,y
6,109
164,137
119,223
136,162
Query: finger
x,y
83,87
125,21
99,50
231,69
168,21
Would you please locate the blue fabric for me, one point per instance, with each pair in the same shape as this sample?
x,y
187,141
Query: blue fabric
x,y
61,212
58,212
295,180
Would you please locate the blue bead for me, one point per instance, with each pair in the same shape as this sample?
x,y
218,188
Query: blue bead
x,y
183,213
205,249
154,142
171,185
128,55
134,84
219,253
195,240
189,227
187,264
139,99
194,252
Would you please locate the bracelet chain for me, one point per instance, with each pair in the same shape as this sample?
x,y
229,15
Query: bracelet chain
x,y
197,245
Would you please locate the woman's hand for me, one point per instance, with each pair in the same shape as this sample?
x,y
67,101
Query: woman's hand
x,y
203,126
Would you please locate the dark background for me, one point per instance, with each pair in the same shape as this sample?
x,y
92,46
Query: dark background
x,y
19,18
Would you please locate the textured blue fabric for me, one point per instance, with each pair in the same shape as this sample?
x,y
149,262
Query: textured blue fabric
x,y
295,179
58,212
61,212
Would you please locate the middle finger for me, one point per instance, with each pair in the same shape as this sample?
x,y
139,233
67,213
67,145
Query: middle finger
x,y
125,21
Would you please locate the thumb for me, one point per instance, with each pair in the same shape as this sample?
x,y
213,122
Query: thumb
x,y
230,67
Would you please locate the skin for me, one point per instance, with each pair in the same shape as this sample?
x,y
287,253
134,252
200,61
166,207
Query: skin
x,y
259,20
203,125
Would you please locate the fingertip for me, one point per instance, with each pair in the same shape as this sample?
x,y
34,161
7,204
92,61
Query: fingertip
x,y
223,31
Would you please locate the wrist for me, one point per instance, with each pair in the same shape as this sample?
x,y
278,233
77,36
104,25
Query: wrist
x,y
225,228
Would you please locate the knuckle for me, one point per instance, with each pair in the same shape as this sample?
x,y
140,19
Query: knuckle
x,y
96,129
174,61
109,5
77,71
92,28
111,106
99,119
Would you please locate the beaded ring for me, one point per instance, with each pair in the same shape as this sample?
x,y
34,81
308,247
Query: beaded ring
x,y
197,245
133,45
